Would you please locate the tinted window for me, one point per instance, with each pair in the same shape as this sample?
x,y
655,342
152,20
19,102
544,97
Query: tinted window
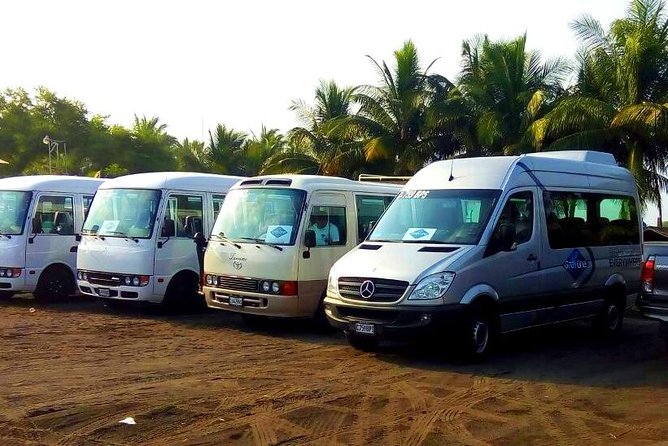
x,y
518,213
585,219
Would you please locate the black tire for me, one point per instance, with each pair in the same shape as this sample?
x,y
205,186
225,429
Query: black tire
x,y
362,343
182,295
610,318
6,294
55,283
480,332
320,322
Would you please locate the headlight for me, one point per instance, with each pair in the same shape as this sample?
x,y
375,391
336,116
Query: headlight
x,y
275,288
432,287
135,281
2,273
85,276
79,275
332,285
266,286
128,280
208,279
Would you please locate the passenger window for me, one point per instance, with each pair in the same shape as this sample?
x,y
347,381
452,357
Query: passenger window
x,y
186,212
329,225
217,204
55,215
517,218
369,210
582,219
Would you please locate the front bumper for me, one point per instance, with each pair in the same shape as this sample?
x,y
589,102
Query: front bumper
x,y
270,305
397,321
15,284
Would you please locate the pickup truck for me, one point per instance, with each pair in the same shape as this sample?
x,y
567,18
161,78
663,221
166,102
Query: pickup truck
x,y
653,299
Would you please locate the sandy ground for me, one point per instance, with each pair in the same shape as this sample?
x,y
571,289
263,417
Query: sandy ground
x,y
69,372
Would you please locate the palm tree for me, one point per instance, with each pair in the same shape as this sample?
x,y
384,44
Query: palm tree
x,y
619,103
313,148
224,150
258,149
392,122
190,156
153,145
504,89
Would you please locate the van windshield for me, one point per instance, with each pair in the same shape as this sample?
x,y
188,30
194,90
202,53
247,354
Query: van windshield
x,y
13,210
436,216
123,213
261,215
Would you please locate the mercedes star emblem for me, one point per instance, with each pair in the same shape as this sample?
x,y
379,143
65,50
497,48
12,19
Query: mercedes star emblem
x,y
367,289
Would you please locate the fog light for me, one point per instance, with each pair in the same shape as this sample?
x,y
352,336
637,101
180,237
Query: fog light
x,y
425,317
128,280
275,288
328,310
266,286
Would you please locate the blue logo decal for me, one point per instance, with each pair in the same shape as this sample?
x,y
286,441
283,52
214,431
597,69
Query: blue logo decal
x,y
419,233
278,232
576,264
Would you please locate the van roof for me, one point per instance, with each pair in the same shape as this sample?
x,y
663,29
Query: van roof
x,y
576,168
311,182
190,181
51,183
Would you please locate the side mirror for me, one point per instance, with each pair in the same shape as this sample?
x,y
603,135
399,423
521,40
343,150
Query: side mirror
x,y
168,228
36,226
309,238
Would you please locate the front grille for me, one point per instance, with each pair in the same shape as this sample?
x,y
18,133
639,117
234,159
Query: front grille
x,y
104,279
238,283
385,290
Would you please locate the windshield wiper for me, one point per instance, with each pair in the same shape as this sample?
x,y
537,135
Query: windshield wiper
x,y
259,241
123,234
221,236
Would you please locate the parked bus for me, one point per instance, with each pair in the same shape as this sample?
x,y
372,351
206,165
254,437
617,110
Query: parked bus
x,y
476,247
40,219
143,236
277,236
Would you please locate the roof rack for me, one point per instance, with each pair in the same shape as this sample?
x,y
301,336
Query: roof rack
x,y
370,177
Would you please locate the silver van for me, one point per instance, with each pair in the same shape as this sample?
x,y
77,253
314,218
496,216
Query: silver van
x,y
483,246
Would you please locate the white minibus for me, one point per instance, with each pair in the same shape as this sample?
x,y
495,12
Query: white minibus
x,y
277,236
143,237
476,247
40,219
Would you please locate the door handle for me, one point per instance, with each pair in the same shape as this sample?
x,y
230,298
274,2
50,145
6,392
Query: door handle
x,y
532,257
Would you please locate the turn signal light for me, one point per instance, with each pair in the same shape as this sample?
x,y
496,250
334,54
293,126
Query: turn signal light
x,y
288,288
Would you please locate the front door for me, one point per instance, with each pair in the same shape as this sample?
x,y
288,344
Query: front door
x,y
327,216
54,240
514,270
177,251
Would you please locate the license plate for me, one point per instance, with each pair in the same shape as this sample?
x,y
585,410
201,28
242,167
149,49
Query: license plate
x,y
104,292
368,329
236,301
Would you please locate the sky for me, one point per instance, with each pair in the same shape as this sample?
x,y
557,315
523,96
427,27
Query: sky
x,y
195,64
